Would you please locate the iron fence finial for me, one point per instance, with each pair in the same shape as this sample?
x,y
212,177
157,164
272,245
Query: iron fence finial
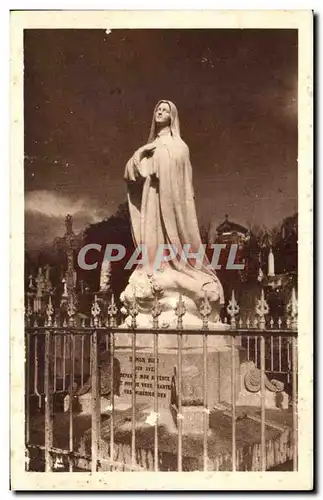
x,y
156,312
133,311
29,311
95,311
31,283
233,309
205,311
49,312
71,310
180,311
112,312
292,311
262,310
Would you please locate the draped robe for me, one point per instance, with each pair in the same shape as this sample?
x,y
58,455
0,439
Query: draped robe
x,y
162,210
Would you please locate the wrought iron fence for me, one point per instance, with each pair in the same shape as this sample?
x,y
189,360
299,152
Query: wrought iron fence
x,y
62,356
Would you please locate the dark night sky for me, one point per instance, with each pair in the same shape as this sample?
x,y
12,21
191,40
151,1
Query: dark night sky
x,y
89,98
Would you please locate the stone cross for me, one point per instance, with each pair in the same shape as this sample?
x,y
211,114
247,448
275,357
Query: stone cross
x,y
40,282
47,283
69,243
40,285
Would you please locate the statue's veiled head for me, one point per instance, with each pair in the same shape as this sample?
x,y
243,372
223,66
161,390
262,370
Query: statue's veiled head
x,y
165,114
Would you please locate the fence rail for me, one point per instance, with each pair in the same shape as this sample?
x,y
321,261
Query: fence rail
x,y
58,358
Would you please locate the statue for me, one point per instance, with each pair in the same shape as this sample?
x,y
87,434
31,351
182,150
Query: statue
x,y
163,217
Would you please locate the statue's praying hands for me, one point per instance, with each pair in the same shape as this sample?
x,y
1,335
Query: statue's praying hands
x,y
137,166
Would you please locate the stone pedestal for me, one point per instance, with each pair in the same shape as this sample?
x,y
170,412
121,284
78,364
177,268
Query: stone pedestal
x,y
192,418
219,385
218,375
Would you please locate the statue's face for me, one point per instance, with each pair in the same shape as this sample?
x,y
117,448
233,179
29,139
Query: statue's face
x,y
162,114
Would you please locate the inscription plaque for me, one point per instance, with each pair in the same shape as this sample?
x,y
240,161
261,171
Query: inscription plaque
x,y
145,375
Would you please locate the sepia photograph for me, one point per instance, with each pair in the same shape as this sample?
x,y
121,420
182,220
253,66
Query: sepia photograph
x,y
160,250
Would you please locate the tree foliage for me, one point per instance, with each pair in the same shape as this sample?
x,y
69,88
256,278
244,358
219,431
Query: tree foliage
x,y
116,229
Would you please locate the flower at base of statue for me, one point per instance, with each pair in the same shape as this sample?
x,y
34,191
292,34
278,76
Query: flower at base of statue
x,y
211,289
124,310
157,289
139,287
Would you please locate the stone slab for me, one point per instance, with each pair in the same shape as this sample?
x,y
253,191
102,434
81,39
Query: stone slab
x,y
279,447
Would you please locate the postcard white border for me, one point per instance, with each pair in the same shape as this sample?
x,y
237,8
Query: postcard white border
x,y
264,19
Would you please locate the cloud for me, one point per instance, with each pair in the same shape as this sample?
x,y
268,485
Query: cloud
x,y
45,212
53,204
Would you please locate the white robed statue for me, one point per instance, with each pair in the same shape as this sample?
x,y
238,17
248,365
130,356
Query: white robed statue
x,y
165,228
